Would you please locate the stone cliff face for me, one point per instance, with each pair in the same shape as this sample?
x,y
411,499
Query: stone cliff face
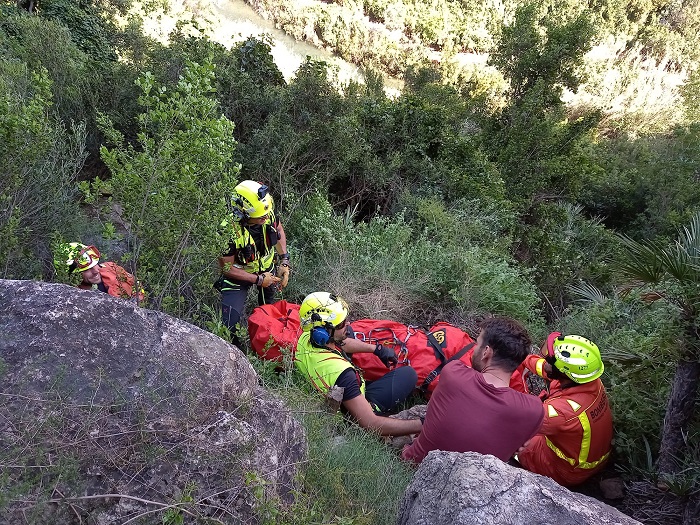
x,y
109,411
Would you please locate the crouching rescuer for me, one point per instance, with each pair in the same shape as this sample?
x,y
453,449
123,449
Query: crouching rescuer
x,y
106,277
575,439
323,357
257,239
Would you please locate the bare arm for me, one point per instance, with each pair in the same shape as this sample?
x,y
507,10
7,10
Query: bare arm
x,y
281,246
354,346
361,410
229,270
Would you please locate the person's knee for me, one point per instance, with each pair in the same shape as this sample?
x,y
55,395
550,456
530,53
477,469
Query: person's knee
x,y
409,374
406,377
229,316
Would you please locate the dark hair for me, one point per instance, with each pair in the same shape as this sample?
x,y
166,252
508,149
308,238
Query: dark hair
x,y
508,339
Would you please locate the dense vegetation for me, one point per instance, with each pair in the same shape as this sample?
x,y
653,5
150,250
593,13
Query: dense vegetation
x,y
465,196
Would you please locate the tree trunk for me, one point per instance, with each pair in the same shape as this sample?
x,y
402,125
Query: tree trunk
x,y
691,516
679,412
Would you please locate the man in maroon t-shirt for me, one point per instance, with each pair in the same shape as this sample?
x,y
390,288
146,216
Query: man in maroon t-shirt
x,y
474,409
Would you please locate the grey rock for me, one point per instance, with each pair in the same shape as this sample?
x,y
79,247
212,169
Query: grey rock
x,y
101,397
415,412
613,488
450,488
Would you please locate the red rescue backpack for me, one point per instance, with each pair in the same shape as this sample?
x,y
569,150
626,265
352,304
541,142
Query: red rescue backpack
x,y
427,351
274,329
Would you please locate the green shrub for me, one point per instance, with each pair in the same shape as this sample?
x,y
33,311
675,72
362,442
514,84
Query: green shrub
x,y
562,247
39,160
173,187
387,268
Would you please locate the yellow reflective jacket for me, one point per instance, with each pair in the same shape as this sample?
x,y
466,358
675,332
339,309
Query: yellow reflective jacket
x,y
246,253
322,366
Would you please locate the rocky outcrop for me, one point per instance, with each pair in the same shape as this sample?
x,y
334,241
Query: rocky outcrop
x,y
109,411
450,488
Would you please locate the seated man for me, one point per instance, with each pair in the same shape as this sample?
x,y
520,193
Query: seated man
x,y
322,356
474,409
576,436
107,277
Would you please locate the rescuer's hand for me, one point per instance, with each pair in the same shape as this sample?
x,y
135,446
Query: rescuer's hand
x,y
386,355
267,279
283,274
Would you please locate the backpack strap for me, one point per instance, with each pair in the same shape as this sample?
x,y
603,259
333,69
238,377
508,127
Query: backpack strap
x,y
435,345
432,375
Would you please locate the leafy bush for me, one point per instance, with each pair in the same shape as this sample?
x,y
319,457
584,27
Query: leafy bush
x,y
562,246
47,45
39,160
173,187
387,268
646,187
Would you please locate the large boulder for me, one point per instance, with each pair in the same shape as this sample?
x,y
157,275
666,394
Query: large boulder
x,y
450,488
109,411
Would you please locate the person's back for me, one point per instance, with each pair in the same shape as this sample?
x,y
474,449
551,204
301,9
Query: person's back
x,y
575,439
468,414
474,409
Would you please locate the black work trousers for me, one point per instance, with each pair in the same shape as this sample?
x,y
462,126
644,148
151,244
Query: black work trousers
x,y
233,303
392,389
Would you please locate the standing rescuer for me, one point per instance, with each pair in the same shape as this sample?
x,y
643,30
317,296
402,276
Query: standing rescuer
x,y
107,277
575,439
257,238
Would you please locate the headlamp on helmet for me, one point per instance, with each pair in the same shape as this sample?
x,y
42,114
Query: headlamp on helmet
x,y
252,200
322,309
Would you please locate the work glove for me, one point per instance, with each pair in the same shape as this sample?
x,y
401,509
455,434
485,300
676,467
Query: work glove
x,y
267,279
386,355
283,274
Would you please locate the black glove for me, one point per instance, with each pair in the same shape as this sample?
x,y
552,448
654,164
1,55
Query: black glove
x,y
387,356
349,332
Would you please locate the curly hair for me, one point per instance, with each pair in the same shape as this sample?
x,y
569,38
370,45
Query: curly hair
x,y
508,339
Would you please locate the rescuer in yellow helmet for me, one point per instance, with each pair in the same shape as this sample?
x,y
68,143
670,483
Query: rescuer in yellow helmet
x,y
323,356
575,439
257,243
106,277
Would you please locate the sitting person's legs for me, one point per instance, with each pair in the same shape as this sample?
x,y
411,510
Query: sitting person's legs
x,y
391,389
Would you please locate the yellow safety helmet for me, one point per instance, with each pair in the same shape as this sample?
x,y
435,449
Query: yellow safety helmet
x,y
322,309
577,358
80,257
252,199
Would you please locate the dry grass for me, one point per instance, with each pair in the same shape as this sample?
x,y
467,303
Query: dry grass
x,y
635,92
646,503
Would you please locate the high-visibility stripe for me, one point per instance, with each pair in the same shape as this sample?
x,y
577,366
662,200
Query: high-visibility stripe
x,y
586,441
582,462
539,368
551,411
573,404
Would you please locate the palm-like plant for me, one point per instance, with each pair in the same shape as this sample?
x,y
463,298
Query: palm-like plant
x,y
671,272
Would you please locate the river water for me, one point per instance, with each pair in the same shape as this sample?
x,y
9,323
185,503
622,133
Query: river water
x,y
238,21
